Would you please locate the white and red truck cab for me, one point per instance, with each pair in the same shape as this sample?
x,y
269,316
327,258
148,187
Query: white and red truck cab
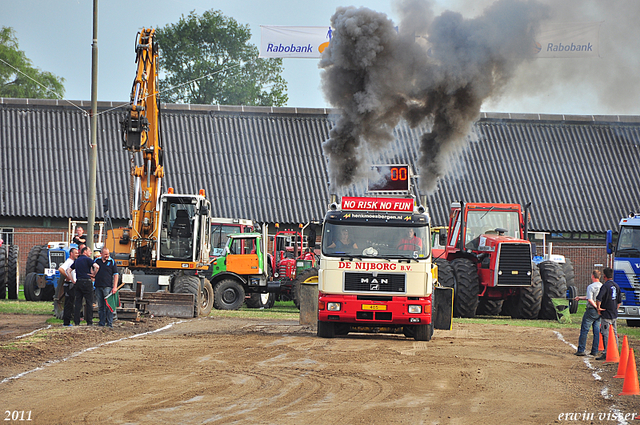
x,y
376,271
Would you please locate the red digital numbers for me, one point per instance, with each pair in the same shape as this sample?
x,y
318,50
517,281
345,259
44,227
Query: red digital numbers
x,y
395,179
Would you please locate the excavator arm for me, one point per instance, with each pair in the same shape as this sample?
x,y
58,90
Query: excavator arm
x,y
140,134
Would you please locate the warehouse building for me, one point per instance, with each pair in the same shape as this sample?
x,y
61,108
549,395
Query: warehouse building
x,y
266,164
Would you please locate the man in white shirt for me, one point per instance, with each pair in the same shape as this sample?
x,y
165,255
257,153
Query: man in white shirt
x,y
69,291
591,317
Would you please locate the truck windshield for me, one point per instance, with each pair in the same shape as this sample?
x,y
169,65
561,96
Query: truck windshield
x,y
628,242
486,222
354,240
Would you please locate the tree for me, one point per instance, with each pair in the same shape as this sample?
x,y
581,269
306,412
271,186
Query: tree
x,y
208,60
19,78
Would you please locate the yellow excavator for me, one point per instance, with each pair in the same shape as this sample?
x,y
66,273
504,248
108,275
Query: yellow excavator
x,y
163,253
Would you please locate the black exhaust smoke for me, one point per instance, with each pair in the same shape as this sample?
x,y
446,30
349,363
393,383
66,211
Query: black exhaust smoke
x,y
428,70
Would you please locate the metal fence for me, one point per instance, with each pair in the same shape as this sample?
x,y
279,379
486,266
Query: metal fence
x,y
27,240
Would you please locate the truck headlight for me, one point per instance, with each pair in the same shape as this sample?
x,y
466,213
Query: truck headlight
x,y
415,309
333,306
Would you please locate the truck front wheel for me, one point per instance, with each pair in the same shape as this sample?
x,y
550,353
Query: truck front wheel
x,y
423,332
326,329
228,295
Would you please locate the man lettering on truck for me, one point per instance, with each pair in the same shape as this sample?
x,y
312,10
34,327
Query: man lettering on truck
x,y
608,301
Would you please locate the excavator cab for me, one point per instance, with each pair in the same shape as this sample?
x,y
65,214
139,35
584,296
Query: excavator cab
x,y
184,228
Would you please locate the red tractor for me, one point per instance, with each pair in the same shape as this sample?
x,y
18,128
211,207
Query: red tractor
x,y
294,262
487,259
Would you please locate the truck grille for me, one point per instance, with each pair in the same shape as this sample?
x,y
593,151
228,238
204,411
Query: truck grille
x,y
367,282
56,258
634,280
514,261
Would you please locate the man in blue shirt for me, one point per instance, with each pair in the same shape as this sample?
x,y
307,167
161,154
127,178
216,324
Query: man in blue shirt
x,y
608,301
106,284
85,271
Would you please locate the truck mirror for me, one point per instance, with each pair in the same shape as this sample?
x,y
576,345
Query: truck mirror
x,y
312,237
442,238
610,247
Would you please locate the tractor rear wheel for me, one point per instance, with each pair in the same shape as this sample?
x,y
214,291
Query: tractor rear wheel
x,y
228,295
466,287
206,298
526,305
446,277
186,284
46,293
13,272
307,276
555,286
32,259
3,272
489,307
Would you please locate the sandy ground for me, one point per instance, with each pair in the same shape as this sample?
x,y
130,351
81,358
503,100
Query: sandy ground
x,y
222,371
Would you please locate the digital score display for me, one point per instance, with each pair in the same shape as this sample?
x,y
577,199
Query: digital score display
x,y
395,178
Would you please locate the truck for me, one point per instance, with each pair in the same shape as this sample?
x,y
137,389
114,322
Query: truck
x,y
221,228
488,260
164,252
626,267
372,276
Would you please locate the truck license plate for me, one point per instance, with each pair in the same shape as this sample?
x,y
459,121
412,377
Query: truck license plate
x,y
373,307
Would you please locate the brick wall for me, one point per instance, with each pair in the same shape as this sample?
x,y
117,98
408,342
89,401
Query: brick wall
x,y
585,259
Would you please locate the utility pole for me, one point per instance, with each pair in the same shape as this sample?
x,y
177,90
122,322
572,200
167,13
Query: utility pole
x,y
93,159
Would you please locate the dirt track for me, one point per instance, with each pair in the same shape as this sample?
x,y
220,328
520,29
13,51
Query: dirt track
x,y
250,371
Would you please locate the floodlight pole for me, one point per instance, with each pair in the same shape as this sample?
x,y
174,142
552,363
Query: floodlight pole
x,y
93,158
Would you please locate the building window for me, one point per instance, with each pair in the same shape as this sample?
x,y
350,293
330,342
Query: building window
x,y
6,234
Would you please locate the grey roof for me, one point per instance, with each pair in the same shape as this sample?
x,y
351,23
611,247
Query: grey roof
x,y
266,164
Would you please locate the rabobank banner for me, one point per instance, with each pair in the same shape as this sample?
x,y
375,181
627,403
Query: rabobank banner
x,y
293,42
568,40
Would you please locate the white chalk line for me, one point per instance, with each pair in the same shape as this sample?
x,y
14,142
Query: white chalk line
x,y
605,390
31,333
52,362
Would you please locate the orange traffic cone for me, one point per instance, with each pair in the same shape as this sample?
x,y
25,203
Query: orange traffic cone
x,y
601,345
612,348
624,357
630,385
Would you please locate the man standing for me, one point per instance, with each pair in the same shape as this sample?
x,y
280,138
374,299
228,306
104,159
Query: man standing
x,y
69,290
591,317
106,284
608,301
85,270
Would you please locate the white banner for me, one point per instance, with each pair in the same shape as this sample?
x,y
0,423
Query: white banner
x,y
568,40
293,42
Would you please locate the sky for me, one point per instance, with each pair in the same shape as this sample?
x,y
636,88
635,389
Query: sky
x,y
57,37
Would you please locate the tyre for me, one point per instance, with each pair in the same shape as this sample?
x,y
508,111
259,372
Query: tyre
x,y
445,273
261,300
206,298
526,305
554,286
30,286
423,332
307,276
32,259
466,288
572,293
326,329
569,272
186,284
228,295
3,272
489,307
46,293
13,272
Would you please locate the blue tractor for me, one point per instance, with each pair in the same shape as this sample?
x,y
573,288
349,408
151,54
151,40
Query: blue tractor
x,y
42,280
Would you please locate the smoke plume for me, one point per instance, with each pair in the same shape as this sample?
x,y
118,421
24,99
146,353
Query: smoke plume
x,y
429,69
